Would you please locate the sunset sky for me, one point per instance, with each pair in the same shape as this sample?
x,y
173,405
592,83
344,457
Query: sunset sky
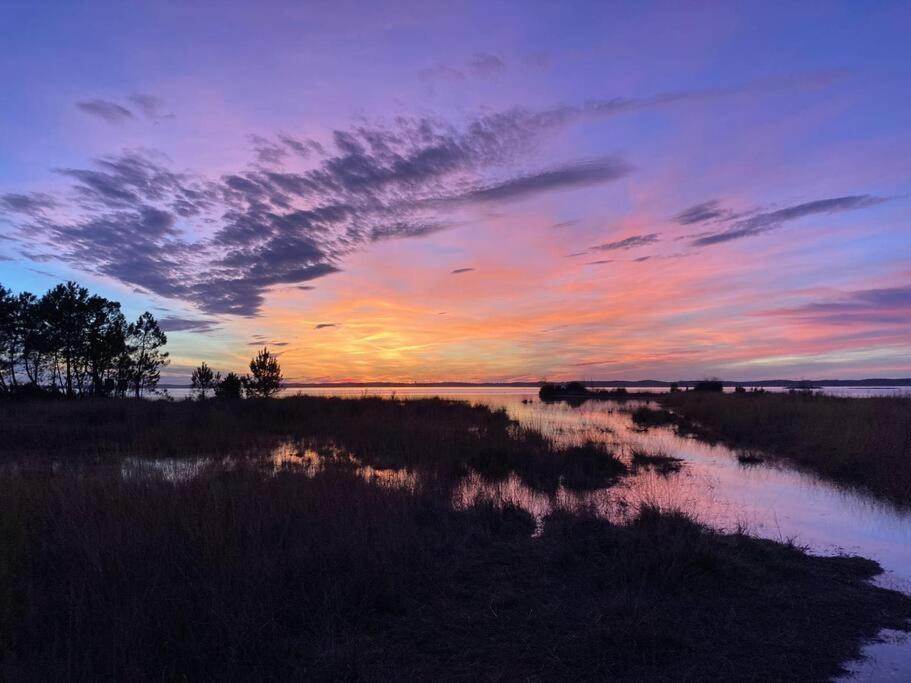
x,y
484,192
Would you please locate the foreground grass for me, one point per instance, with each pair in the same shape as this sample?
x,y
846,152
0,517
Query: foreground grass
x,y
864,442
239,573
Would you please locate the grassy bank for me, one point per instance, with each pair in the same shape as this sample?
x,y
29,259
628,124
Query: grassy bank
x,y
857,441
242,573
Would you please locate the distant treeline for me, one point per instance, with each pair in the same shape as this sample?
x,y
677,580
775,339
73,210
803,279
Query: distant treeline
x,y
71,343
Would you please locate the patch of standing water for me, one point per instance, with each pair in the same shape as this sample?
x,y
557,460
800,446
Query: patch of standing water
x,y
287,455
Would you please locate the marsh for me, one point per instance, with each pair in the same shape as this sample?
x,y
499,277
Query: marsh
x,y
371,537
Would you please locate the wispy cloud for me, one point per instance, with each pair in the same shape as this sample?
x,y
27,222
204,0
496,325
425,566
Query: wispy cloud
x,y
459,271
631,242
700,213
33,204
485,63
578,174
151,106
111,112
479,65
763,222
879,306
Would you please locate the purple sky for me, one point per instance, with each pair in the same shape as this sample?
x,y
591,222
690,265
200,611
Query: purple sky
x,y
485,191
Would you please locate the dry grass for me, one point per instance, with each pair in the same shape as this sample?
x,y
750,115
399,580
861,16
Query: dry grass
x,y
864,442
240,573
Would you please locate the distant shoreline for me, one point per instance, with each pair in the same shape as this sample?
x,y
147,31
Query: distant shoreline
x,y
645,383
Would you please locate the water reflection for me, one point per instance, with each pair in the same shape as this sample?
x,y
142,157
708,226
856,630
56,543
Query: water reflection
x,y
298,456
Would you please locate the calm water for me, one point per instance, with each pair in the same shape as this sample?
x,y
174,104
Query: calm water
x,y
769,500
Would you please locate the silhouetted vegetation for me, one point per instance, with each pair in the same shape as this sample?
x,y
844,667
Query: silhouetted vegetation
x,y
75,344
552,391
576,393
203,380
242,573
865,442
709,385
265,378
72,343
231,387
650,417
441,439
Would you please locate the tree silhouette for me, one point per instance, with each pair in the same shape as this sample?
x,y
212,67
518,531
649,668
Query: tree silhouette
x,y
75,343
66,311
232,386
36,349
8,346
106,330
203,379
146,356
265,375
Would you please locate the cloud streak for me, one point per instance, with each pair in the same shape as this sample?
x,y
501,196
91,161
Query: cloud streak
x,y
108,111
701,213
631,242
760,223
480,65
876,307
149,106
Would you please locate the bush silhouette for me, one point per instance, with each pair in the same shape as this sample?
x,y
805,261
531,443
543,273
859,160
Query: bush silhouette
x,y
231,387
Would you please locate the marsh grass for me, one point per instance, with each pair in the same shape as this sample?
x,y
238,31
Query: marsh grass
x,y
238,574
647,417
864,442
440,439
245,573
